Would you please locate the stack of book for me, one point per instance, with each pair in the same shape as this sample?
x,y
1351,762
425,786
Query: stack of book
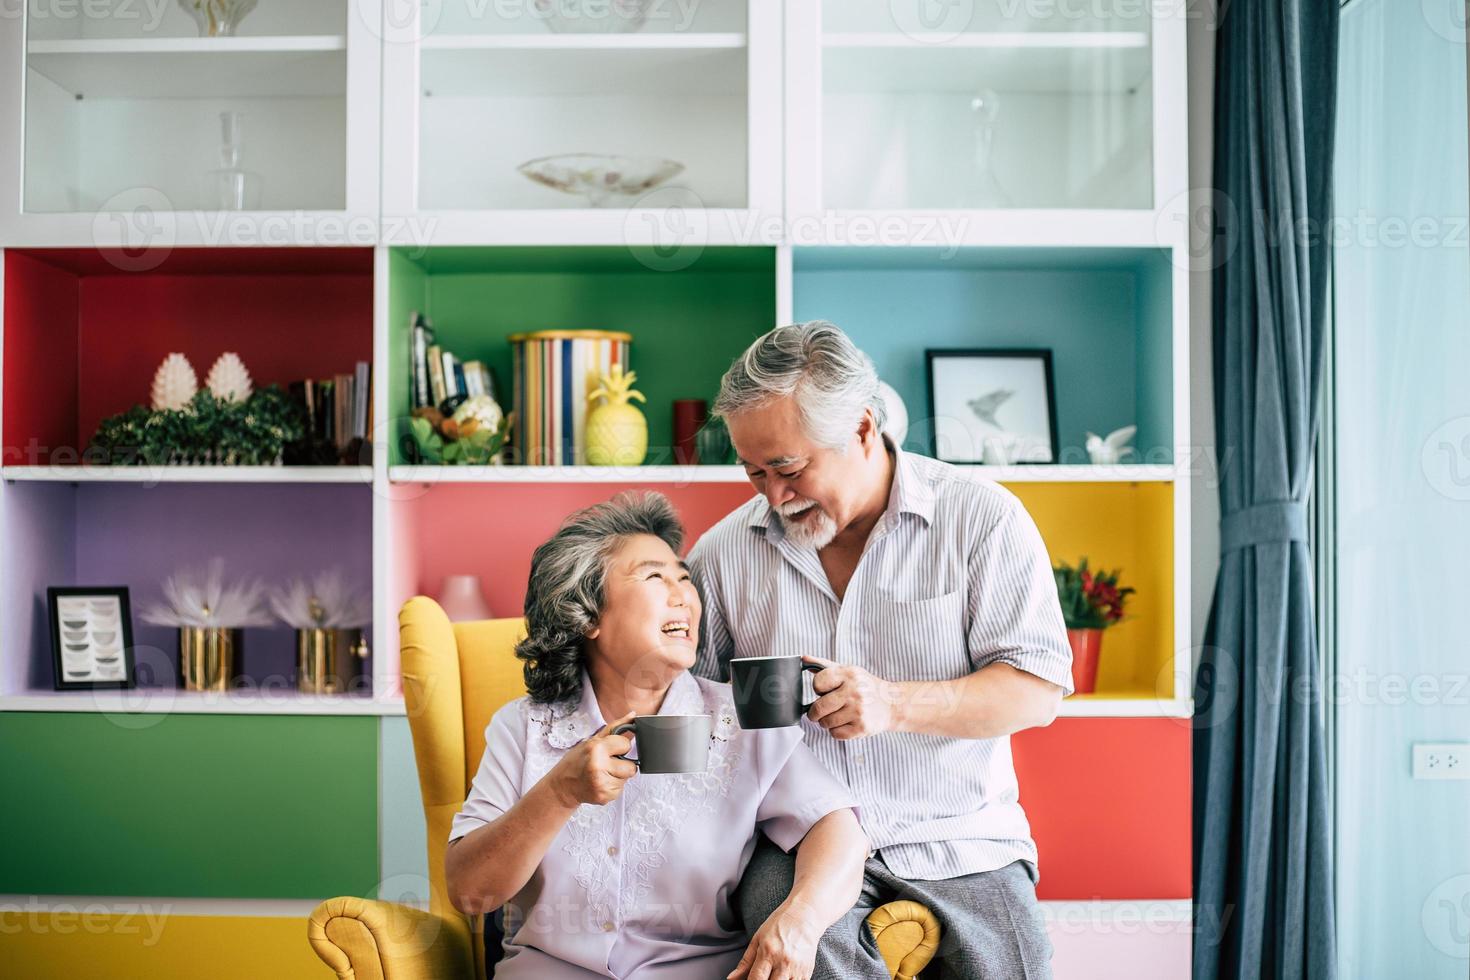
x,y
339,412
437,375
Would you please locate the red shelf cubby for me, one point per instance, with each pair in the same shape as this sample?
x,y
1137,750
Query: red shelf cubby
x,y
85,329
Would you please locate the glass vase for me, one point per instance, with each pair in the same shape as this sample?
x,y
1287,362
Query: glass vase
x,y
230,187
986,188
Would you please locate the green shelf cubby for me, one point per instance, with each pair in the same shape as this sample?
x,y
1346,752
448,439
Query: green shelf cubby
x,y
687,325
188,806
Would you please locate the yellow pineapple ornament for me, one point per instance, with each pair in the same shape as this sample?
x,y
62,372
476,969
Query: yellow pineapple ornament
x,y
617,432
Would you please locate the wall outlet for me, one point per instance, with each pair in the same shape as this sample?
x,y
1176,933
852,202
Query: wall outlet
x,y
1442,760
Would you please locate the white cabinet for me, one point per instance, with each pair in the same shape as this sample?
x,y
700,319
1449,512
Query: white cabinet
x,y
476,92
131,128
1004,113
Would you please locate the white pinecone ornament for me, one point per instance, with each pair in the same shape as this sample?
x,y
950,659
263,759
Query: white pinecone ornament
x,y
174,384
228,380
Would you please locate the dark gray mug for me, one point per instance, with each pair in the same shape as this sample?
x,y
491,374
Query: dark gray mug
x,y
768,690
669,743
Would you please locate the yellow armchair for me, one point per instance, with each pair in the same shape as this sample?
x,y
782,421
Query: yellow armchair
x,y
455,676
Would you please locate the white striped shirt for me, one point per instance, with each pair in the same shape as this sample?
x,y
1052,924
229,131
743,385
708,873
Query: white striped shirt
x,y
954,577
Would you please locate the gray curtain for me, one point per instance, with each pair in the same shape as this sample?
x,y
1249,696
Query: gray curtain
x,y
1262,823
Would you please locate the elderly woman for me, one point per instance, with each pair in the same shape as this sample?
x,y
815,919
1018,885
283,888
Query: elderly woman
x,y
605,872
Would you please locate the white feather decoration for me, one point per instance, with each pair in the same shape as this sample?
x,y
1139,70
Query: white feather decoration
x,y
174,384
327,601
201,597
1111,448
228,380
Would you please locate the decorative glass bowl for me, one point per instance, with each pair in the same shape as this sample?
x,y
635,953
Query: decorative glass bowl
x,y
217,18
593,16
604,179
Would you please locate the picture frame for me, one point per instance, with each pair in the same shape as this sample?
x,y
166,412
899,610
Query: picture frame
x,y
992,405
91,637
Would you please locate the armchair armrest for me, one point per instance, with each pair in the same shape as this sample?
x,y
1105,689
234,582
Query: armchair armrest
x,y
362,939
907,935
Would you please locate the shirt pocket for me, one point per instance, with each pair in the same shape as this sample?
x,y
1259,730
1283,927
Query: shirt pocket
x,y
921,639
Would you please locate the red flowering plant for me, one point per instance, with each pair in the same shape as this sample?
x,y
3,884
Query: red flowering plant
x,y
1090,600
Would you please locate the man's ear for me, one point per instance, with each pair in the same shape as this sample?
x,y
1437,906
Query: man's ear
x,y
867,432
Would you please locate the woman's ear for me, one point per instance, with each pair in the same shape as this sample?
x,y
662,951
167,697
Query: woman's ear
x,y
592,633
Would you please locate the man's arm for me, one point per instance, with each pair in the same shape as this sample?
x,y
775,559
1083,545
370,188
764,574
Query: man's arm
x,y
995,700
1017,643
715,642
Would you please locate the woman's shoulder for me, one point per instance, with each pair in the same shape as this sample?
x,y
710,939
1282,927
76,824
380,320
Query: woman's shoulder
x,y
522,714
535,726
509,718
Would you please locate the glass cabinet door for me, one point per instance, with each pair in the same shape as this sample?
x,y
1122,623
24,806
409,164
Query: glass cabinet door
x,y
981,104
214,105
567,104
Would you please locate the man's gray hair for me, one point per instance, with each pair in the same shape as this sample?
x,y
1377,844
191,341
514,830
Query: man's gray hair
x,y
833,382
568,586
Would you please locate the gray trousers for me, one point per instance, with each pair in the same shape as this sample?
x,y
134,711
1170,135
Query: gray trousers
x,y
991,923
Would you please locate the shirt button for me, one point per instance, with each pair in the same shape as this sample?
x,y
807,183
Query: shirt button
x,y
612,850
607,927
859,758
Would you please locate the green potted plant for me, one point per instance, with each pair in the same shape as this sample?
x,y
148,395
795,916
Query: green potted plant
x,y
204,430
1091,602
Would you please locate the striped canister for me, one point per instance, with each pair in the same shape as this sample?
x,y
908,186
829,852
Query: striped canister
x,y
555,371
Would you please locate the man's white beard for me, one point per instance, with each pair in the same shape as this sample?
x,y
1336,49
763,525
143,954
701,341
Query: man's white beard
x,y
815,531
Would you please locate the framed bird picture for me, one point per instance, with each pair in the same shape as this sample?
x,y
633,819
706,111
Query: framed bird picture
x,y
91,636
992,405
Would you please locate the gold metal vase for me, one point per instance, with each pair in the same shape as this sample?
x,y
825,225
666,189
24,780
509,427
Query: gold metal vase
x,y
329,661
209,657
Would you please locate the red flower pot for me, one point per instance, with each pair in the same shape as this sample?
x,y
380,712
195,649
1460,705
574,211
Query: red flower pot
x,y
1086,646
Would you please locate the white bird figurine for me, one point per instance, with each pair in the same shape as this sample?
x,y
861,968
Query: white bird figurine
x,y
1112,448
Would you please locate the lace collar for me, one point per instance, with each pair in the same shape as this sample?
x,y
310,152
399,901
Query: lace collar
x,y
566,723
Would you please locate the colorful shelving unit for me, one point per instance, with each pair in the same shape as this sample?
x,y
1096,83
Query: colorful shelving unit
x,y
831,155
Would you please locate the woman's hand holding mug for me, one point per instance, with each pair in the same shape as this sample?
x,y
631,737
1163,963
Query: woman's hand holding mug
x,y
592,771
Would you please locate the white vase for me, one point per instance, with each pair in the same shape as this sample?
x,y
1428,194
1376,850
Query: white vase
x,y
461,598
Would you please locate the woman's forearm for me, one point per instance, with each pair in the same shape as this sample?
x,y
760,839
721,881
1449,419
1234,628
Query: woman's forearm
x,y
486,867
829,870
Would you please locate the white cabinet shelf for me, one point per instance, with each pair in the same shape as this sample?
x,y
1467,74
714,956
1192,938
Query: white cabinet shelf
x,y
582,42
683,475
674,475
189,474
564,70
196,68
1125,706
154,701
1033,40
1031,70
1042,62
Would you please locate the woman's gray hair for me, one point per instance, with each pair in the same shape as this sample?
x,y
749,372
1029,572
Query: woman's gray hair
x,y
566,591
833,381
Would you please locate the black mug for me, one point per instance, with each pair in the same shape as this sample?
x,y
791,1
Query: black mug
x,y
768,690
669,743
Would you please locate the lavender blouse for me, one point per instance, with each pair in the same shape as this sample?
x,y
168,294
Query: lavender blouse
x,y
640,888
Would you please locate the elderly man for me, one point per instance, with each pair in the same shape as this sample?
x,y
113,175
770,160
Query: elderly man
x,y
927,596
